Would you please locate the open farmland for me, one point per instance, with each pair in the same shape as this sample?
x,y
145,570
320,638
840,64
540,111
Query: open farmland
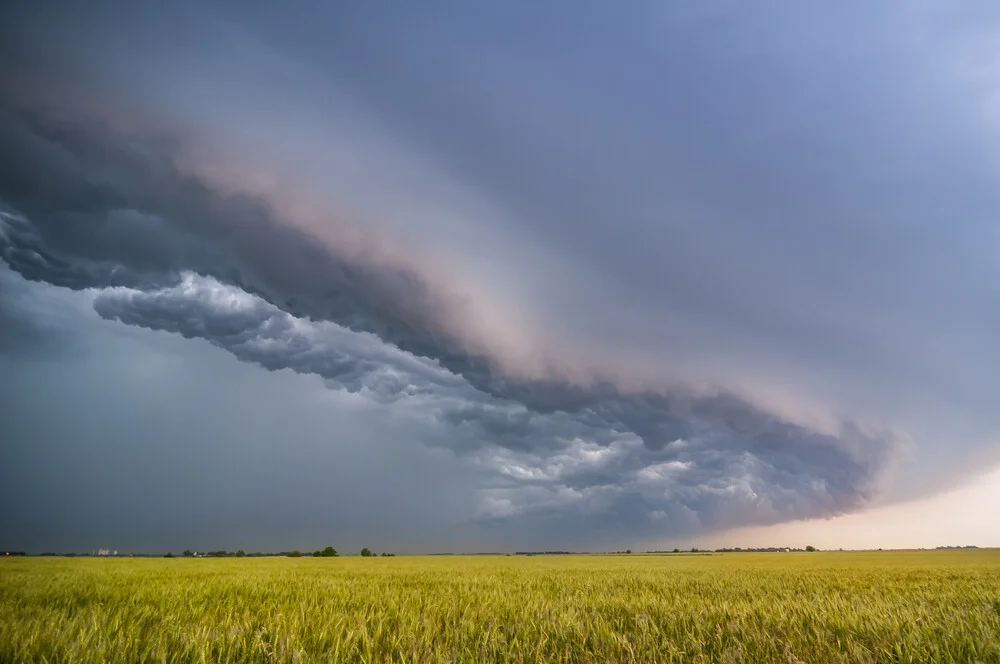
x,y
935,606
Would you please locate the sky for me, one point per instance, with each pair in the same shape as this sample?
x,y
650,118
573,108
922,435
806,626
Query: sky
x,y
453,276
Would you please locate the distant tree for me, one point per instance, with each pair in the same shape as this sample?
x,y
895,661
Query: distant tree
x,y
366,552
328,552
168,555
241,554
316,554
295,554
810,548
677,550
694,550
628,550
188,553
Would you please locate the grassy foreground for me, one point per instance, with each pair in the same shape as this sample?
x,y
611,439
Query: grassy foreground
x,y
939,606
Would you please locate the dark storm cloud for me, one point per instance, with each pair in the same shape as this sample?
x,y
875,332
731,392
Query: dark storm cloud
x,y
140,230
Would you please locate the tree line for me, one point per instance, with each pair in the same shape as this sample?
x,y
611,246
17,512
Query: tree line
x,y
328,552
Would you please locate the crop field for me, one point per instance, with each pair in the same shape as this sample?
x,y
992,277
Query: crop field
x,y
935,606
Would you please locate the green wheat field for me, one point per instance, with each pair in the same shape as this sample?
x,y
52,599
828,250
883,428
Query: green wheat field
x,y
911,606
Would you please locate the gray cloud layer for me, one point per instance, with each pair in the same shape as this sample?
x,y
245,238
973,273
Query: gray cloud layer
x,y
521,230
89,209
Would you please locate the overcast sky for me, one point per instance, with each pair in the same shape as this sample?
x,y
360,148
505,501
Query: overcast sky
x,y
465,276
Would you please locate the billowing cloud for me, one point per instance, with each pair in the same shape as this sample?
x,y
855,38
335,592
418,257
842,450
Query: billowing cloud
x,y
164,251
716,458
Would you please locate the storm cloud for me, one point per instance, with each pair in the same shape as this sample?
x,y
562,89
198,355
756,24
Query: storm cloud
x,y
160,250
637,274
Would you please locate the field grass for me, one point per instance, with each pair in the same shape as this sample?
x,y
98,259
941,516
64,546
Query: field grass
x,y
937,606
